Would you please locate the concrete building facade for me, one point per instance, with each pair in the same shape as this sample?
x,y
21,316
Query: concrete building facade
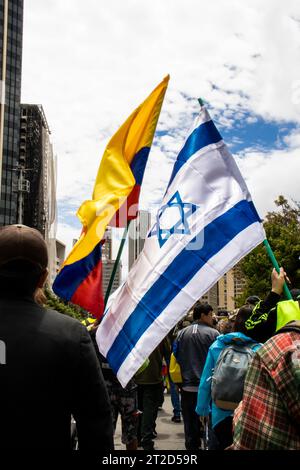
x,y
211,297
107,246
56,263
36,171
138,230
107,268
36,184
230,286
108,264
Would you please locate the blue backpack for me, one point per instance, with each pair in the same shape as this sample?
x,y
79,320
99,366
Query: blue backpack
x,y
228,378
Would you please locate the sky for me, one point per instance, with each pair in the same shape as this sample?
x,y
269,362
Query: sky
x,y
90,64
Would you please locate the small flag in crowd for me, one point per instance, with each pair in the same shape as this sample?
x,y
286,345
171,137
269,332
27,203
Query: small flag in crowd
x,y
117,187
207,222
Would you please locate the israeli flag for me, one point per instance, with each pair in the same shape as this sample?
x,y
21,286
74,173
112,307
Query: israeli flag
x,y
205,225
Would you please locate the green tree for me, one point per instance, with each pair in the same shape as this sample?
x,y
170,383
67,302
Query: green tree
x,y
283,233
55,303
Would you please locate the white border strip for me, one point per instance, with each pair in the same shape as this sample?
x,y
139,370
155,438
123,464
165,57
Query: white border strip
x,y
224,260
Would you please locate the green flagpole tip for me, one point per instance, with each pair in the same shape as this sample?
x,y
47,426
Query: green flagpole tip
x,y
201,102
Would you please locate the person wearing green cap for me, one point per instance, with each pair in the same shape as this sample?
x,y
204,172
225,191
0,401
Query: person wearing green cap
x,y
268,417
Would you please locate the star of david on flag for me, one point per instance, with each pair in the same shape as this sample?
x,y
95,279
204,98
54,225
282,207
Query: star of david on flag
x,y
172,218
207,203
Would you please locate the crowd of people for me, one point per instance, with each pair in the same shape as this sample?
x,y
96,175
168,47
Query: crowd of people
x,y
240,375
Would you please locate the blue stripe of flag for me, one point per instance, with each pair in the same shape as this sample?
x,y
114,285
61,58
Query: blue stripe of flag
x,y
72,275
183,268
138,164
203,135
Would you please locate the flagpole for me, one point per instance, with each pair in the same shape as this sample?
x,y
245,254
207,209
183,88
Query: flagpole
x,y
270,252
271,255
113,274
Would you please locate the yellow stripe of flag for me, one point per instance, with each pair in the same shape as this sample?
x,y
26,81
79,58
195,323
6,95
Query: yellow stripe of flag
x,y
115,179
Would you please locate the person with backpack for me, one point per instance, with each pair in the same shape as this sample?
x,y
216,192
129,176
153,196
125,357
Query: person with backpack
x,y
268,417
222,379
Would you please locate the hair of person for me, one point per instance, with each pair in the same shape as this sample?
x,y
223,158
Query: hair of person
x,y
252,300
242,316
295,293
19,278
201,307
39,297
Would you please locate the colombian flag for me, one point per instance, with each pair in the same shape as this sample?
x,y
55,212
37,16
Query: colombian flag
x,y
114,201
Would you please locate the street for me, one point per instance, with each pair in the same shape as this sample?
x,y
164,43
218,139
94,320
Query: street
x,y
170,436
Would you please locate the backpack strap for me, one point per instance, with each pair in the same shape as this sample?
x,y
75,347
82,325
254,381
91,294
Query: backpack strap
x,y
241,342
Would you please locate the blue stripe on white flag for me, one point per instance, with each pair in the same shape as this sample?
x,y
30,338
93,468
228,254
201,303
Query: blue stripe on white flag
x,y
184,267
203,135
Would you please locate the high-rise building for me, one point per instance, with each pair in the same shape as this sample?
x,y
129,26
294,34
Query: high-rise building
x,y
231,286
56,264
11,38
107,246
107,268
108,264
138,230
211,297
36,184
36,172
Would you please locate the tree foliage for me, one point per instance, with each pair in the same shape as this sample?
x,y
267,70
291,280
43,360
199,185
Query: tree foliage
x,y
55,303
283,233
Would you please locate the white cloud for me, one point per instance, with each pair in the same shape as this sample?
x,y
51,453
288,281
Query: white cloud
x,y
91,64
293,139
66,233
267,176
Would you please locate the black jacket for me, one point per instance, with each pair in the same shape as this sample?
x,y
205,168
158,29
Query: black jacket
x,y
191,348
51,372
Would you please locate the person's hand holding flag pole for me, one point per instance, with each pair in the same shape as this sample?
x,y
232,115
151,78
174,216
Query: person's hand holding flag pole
x,y
207,222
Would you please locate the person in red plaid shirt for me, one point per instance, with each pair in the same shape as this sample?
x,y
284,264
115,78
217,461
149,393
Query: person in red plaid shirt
x,y
268,417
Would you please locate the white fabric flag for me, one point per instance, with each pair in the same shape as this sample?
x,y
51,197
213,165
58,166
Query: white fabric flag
x,y
206,224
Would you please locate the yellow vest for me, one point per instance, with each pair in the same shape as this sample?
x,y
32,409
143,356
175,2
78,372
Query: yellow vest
x,y
287,311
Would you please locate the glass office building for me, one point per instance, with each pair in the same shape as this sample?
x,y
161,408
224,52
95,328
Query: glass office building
x,y
11,33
